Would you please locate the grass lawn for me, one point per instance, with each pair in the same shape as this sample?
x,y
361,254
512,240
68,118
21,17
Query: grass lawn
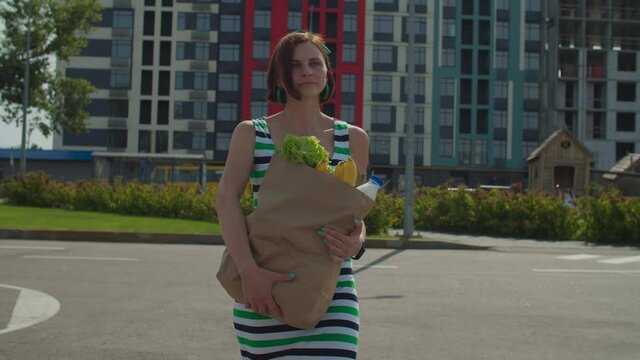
x,y
33,218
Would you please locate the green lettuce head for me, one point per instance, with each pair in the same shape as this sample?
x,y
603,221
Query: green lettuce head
x,y
303,149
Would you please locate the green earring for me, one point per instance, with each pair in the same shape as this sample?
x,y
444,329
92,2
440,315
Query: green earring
x,y
324,95
281,97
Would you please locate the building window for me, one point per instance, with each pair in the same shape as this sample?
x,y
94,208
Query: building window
x,y
201,81
350,23
347,112
500,149
465,121
178,110
203,22
294,20
528,148
480,152
449,3
502,4
380,145
501,90
260,49
228,82
500,119
420,26
532,61
447,87
502,30
200,110
533,5
624,148
258,109
120,79
446,117
626,122
382,84
381,115
348,52
420,55
121,49
227,112
449,27
383,24
259,80
464,151
532,32
179,80
222,141
348,83
502,60
626,61
162,141
122,19
182,21
262,19
418,146
199,140
448,57
230,23
530,120
626,91
531,91
445,147
383,54
229,52
482,121
144,141
419,85
202,51
180,50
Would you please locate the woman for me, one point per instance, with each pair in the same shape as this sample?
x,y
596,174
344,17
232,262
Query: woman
x,y
299,76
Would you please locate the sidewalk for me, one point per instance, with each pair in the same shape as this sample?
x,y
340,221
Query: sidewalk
x,y
421,239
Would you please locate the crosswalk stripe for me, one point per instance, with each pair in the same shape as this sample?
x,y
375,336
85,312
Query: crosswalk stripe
x,y
579,257
621,260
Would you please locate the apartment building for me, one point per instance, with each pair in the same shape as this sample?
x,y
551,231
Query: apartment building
x,y
177,76
592,77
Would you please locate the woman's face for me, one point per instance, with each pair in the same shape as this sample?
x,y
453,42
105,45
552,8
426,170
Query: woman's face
x,y
309,70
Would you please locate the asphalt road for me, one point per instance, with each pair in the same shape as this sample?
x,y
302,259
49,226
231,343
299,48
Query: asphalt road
x,y
83,300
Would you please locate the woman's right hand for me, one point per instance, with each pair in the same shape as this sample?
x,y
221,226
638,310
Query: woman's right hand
x,y
257,285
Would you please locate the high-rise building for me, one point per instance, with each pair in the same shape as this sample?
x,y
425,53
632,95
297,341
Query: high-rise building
x,y
177,76
592,77
492,78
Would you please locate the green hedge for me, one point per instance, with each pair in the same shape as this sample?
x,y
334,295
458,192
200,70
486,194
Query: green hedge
x,y
604,217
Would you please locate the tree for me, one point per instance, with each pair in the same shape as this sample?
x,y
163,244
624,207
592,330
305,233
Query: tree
x,y
59,30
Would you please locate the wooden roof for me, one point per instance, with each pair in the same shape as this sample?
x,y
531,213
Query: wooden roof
x,y
538,151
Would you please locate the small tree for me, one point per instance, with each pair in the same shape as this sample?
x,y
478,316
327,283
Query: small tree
x,y
59,30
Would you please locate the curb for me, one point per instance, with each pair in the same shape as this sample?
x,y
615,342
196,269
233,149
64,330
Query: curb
x,y
205,239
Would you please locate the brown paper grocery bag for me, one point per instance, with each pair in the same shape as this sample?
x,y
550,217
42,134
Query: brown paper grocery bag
x,y
295,201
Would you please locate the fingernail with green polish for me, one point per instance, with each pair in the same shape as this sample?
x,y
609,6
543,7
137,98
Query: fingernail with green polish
x,y
292,275
324,240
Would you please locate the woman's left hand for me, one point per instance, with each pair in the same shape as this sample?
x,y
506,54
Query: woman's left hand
x,y
342,246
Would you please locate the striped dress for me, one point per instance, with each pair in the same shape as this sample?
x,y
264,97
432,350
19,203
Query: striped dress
x,y
336,335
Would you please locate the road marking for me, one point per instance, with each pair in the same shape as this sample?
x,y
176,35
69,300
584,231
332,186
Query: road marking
x,y
31,307
26,247
587,271
621,260
579,257
78,258
376,266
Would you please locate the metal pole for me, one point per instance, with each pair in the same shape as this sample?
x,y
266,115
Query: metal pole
x,y
311,18
25,93
409,147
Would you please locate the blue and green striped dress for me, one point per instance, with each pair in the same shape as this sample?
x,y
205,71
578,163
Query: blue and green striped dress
x,y
336,335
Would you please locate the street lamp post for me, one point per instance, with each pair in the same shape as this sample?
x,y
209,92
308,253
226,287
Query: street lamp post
x,y
409,146
25,93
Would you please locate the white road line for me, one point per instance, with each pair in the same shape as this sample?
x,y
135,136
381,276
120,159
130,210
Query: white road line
x,y
579,257
78,258
31,307
27,247
621,260
376,266
591,271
